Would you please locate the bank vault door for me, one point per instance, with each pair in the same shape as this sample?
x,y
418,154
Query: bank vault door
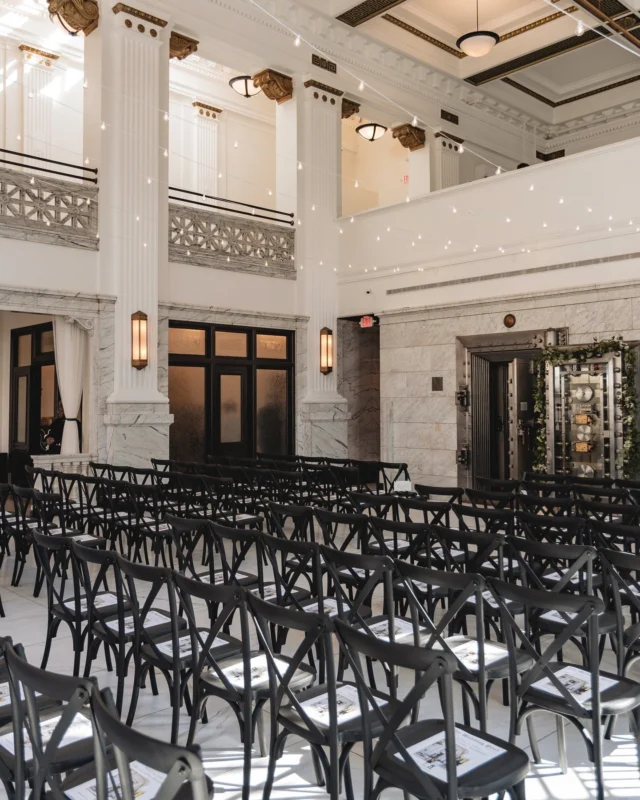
x,y
501,417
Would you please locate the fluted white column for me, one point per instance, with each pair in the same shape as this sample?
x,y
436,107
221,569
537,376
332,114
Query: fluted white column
x,y
207,150
315,113
134,66
37,74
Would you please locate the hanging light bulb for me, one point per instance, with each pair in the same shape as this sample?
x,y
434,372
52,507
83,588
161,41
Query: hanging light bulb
x,y
361,86
356,184
414,121
297,41
580,28
477,43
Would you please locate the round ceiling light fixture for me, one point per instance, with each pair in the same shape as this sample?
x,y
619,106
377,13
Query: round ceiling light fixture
x,y
371,131
244,86
477,43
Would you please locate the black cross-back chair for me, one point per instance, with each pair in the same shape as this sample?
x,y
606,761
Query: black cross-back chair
x,y
393,758
236,548
542,489
489,520
394,538
45,480
148,525
296,569
21,531
193,541
313,713
490,498
101,470
126,759
603,494
554,530
546,477
431,511
66,603
480,661
500,485
100,575
621,579
146,625
48,740
615,536
592,482
608,512
163,464
331,522
381,506
562,568
540,688
633,487
291,522
389,472
545,505
445,494
7,519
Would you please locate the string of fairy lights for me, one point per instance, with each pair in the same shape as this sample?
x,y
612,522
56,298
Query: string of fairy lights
x,y
449,249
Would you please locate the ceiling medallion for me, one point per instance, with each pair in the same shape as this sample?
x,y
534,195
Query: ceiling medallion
x,y
371,131
477,43
75,15
244,86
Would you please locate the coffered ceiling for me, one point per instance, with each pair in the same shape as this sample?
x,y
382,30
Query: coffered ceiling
x,y
540,64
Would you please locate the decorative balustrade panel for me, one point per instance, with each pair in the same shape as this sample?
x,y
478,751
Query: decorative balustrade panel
x,y
213,239
48,210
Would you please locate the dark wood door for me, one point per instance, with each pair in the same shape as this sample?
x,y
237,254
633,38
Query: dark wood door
x,y
233,422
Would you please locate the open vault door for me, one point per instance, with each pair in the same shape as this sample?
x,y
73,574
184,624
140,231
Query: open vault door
x,y
480,416
520,418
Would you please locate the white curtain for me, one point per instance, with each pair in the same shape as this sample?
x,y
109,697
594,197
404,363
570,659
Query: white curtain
x,y
70,342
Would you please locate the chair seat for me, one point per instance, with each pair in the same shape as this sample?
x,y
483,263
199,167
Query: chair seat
x,y
617,695
378,626
269,592
552,576
350,724
554,622
223,646
389,544
491,607
75,749
241,578
508,766
233,670
84,779
496,657
158,623
105,602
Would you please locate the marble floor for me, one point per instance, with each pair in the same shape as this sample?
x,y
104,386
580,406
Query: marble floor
x,y
25,621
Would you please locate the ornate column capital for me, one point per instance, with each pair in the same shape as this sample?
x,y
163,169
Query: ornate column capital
x,y
409,136
75,15
86,323
275,85
349,108
34,54
181,46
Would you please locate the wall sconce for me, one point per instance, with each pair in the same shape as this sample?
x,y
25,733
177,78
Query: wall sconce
x,y
139,340
326,351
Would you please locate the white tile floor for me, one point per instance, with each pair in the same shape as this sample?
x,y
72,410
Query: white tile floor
x,y
25,621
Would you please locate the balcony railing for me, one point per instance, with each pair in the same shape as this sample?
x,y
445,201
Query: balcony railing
x,y
227,234
39,208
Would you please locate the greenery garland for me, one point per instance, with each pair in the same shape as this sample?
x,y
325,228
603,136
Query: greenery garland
x,y
628,458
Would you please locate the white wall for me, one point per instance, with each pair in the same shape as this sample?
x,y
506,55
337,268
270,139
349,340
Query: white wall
x,y
46,266
416,250
238,291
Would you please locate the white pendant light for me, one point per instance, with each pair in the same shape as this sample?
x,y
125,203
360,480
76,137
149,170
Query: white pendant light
x,y
371,131
477,43
244,86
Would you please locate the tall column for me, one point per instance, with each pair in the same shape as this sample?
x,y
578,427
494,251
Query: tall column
x,y
446,161
134,63
312,170
414,139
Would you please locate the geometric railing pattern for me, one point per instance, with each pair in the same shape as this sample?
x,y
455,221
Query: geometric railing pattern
x,y
48,210
213,239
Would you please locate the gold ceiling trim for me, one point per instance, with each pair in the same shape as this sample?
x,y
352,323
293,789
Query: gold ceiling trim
x,y
366,10
181,45
612,19
203,109
323,87
75,15
275,85
349,108
26,48
410,137
459,54
567,100
134,12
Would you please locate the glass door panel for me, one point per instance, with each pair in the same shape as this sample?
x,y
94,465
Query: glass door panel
x,y
272,394
232,412
187,403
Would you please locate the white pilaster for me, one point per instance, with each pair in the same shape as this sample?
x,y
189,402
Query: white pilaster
x,y
322,426
37,74
134,62
207,150
419,172
446,162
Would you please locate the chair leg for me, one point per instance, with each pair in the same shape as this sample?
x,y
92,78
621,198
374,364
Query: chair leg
x,y
260,731
533,741
597,757
562,743
518,791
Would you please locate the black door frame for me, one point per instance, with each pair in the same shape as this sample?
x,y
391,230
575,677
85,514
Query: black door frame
x,y
251,363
